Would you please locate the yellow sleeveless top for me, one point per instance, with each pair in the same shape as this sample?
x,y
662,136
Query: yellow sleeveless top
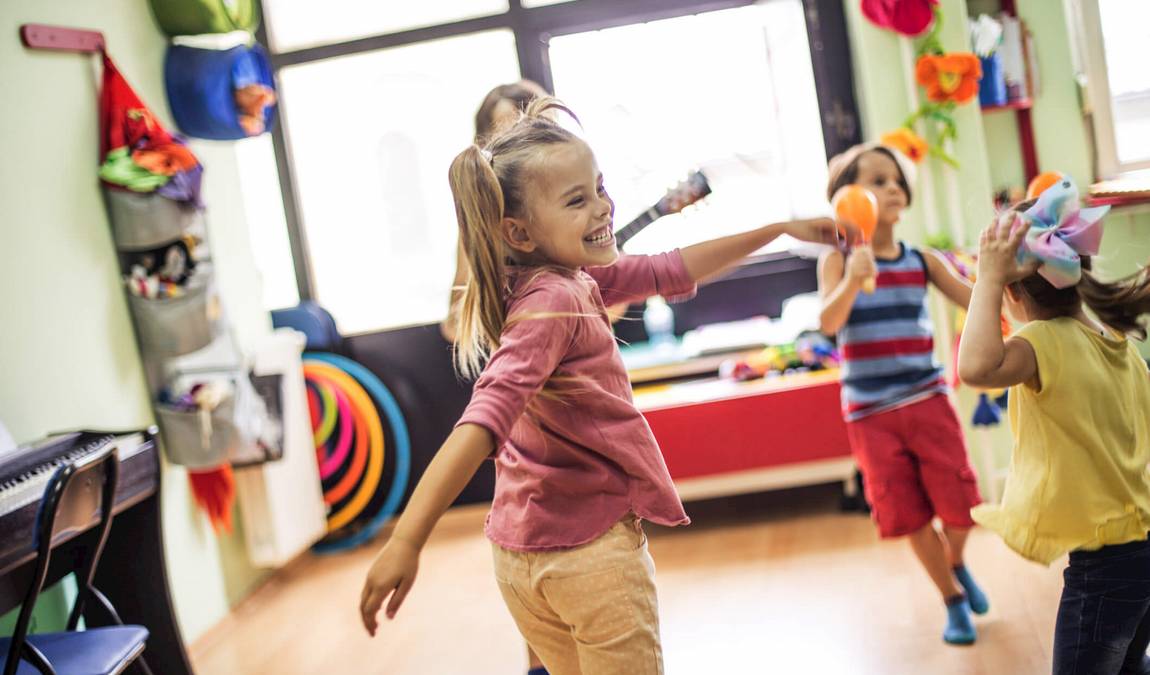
x,y
1078,471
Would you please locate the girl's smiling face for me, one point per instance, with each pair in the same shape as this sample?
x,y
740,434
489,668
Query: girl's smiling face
x,y
569,220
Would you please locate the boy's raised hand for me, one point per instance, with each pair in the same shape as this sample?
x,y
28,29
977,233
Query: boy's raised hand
x,y
998,251
861,264
394,569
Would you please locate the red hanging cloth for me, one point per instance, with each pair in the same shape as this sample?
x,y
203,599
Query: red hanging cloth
x,y
136,152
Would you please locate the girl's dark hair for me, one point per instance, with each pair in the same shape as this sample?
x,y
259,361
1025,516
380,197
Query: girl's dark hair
x,y
520,94
844,169
1119,304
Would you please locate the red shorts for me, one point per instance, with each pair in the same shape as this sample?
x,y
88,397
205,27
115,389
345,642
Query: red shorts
x,y
914,465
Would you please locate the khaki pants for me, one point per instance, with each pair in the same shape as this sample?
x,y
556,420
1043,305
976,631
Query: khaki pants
x,y
589,610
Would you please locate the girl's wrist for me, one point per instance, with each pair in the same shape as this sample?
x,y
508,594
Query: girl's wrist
x,y
992,278
409,533
772,231
402,539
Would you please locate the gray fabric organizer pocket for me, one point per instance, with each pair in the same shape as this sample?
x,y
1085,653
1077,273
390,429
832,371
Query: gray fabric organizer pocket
x,y
189,441
176,326
141,221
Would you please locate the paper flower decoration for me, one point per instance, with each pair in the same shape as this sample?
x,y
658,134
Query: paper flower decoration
x,y
909,17
907,142
949,77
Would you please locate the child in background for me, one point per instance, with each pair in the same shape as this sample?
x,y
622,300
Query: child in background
x,y
576,464
1080,415
903,430
499,109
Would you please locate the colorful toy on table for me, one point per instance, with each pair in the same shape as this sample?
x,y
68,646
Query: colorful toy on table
x,y
857,206
817,352
812,352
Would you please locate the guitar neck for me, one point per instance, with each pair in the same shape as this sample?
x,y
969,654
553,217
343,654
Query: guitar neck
x,y
635,226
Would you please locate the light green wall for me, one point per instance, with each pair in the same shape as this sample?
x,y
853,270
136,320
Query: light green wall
x,y
989,152
67,351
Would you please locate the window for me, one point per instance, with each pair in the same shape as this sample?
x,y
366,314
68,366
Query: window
x,y
374,105
1113,44
372,136
298,24
263,206
738,102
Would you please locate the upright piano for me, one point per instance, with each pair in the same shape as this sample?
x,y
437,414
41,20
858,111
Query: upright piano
x,y
132,572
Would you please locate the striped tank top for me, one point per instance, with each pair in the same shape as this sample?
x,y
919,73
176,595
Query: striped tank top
x,y
887,343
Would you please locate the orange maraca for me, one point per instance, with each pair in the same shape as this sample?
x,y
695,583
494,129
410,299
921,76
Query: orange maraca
x,y
857,205
1041,182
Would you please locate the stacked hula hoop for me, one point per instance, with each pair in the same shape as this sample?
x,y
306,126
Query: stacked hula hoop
x,y
346,400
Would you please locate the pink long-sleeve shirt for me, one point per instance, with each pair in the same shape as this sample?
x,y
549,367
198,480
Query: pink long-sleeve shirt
x,y
568,467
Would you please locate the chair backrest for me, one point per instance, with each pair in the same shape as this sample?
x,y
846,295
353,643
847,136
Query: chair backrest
x,y
79,492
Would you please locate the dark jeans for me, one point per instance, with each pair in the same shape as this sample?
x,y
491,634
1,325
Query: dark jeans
x,y
1103,623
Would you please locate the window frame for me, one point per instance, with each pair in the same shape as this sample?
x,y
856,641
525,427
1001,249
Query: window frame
x,y
532,28
1092,55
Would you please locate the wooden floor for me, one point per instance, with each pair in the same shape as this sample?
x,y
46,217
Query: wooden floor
x,y
773,583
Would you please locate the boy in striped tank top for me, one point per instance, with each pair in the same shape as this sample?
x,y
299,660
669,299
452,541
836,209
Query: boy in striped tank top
x,y
903,430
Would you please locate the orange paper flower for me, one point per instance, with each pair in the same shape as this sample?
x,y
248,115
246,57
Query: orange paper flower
x,y
949,77
907,142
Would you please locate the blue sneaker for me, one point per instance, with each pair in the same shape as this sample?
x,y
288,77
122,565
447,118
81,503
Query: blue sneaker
x,y
974,595
537,671
959,627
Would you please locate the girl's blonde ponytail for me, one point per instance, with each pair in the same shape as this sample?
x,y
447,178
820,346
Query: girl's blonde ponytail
x,y
489,184
479,210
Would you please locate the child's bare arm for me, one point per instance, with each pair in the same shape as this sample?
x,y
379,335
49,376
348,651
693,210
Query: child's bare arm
x,y
839,283
395,567
984,360
947,279
710,258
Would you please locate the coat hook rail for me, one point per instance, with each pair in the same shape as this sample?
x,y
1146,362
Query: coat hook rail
x,y
40,36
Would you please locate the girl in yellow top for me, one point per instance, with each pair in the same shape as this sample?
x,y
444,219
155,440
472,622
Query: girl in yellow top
x,y
1080,415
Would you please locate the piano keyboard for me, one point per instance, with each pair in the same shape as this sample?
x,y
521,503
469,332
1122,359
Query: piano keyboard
x,y
26,471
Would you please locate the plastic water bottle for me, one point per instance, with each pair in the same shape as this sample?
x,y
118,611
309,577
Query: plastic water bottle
x,y
659,321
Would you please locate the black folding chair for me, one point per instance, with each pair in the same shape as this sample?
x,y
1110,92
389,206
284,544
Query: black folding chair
x,y
76,494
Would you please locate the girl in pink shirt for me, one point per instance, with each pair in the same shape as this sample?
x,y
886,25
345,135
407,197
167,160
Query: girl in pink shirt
x,y
576,465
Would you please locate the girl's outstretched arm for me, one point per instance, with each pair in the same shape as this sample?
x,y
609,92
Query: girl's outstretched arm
x,y
947,279
393,571
984,360
710,258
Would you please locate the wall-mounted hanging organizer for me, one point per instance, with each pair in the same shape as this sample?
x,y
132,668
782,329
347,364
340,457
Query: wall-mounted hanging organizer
x,y
150,180
222,95
217,89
